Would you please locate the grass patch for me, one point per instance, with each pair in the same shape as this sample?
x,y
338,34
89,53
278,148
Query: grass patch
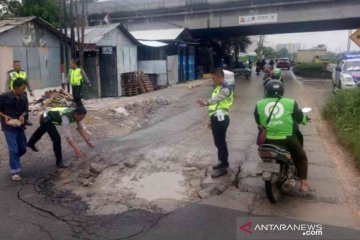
x,y
343,112
312,70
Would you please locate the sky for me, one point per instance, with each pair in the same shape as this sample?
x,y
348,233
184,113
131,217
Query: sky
x,y
336,41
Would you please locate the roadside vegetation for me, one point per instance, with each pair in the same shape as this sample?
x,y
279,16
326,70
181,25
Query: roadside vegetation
x,y
342,110
312,70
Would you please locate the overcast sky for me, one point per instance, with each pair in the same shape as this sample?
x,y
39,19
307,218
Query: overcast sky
x,y
336,41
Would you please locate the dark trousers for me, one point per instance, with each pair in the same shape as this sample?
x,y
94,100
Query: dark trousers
x,y
50,128
77,95
298,154
219,134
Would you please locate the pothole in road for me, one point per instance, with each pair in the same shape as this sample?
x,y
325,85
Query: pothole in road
x,y
161,185
158,181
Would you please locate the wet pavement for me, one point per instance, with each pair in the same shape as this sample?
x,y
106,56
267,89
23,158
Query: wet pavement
x,y
177,148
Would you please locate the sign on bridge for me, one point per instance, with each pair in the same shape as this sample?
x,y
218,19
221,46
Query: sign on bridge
x,y
254,19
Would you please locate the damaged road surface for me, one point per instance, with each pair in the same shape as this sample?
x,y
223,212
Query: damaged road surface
x,y
149,176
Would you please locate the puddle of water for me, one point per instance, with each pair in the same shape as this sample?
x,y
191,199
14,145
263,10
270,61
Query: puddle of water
x,y
161,185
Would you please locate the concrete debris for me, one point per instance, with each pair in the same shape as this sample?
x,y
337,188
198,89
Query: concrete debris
x,y
84,182
121,112
130,163
96,167
209,192
85,173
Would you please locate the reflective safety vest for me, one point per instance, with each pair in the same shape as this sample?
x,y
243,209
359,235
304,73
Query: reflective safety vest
x,y
225,104
281,124
15,75
55,114
76,77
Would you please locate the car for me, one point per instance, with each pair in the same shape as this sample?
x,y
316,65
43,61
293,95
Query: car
x,y
283,63
240,69
346,74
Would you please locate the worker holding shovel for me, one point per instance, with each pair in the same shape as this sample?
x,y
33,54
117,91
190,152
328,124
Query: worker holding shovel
x,y
61,116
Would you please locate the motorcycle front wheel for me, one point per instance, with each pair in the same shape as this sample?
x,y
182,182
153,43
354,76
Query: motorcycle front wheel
x,y
273,190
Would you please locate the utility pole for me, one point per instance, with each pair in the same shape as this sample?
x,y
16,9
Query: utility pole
x,y
66,39
83,24
260,46
72,30
78,23
349,41
62,43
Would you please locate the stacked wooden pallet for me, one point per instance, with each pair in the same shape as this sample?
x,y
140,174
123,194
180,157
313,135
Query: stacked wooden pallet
x,y
136,82
129,84
145,78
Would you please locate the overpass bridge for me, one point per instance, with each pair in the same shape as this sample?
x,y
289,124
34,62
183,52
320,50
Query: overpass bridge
x,y
208,18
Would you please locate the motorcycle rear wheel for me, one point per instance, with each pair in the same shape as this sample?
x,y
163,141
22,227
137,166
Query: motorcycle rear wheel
x,y
273,191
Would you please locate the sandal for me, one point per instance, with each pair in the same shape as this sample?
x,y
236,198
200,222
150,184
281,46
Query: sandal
x,y
309,189
16,177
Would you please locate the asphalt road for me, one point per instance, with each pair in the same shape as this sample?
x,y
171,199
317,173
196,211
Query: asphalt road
x,y
32,209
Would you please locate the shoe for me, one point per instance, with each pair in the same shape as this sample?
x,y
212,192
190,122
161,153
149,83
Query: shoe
x,y
16,177
219,172
32,147
220,165
61,165
28,123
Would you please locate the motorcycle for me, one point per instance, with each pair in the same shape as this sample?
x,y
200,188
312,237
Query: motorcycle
x,y
278,169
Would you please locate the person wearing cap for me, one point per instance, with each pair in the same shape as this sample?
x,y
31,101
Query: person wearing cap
x,y
219,105
61,116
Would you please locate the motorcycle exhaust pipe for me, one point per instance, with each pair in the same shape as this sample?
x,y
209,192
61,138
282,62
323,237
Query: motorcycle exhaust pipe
x,y
289,185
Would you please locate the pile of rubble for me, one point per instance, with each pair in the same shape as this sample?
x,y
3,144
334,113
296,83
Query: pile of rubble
x,y
52,98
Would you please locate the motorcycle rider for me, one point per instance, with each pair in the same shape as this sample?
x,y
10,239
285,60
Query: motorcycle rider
x,y
276,74
263,63
283,127
272,64
258,67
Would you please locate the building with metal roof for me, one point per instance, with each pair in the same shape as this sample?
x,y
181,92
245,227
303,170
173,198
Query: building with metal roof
x,y
110,50
36,44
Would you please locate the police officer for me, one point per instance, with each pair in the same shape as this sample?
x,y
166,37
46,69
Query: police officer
x,y
61,116
14,74
76,77
283,126
219,105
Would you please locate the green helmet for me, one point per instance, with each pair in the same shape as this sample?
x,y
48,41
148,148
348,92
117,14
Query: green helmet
x,y
277,72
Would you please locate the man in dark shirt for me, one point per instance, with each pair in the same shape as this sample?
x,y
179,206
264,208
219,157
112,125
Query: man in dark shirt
x,y
13,107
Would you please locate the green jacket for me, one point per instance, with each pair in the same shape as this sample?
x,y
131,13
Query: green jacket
x,y
284,119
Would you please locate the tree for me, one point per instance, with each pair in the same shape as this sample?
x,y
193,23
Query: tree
x,y
283,53
269,53
9,7
46,9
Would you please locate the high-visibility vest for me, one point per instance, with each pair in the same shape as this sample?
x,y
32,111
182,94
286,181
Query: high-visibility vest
x,y
55,114
281,124
15,75
225,104
76,77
